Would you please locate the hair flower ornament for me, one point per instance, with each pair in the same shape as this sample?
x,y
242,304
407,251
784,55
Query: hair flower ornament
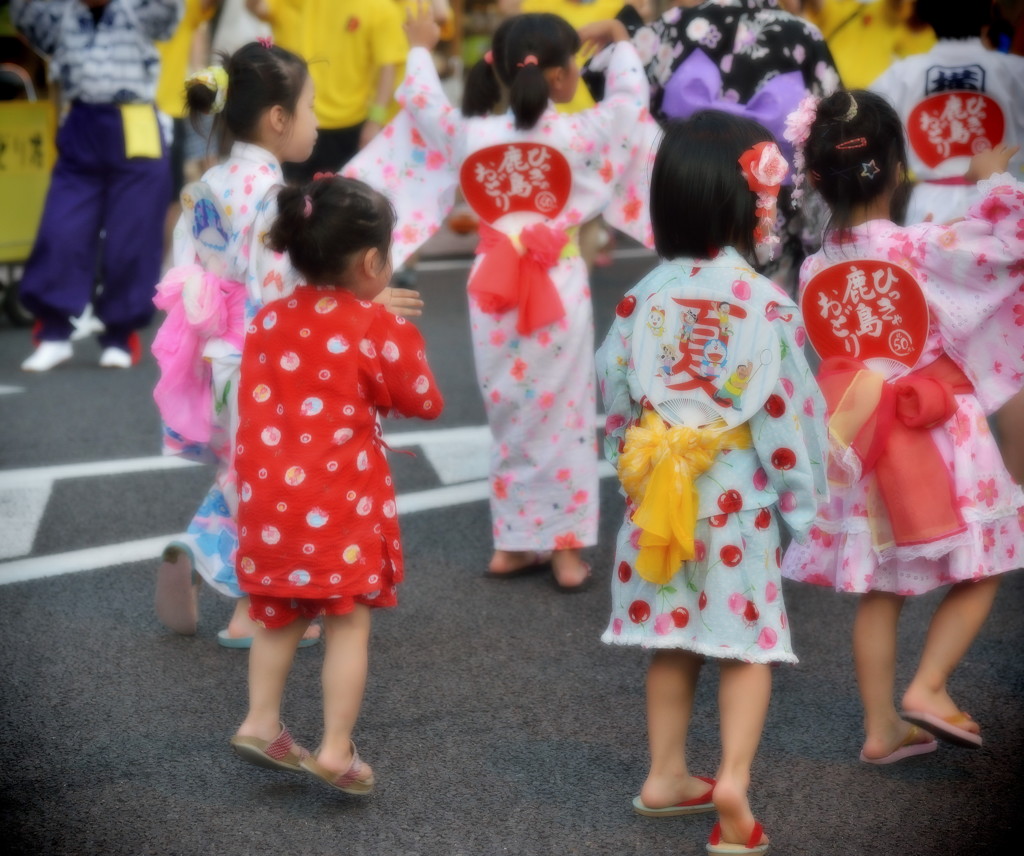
x,y
764,168
798,129
214,78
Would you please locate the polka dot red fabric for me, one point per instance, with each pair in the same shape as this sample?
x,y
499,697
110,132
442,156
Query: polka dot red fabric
x,y
317,515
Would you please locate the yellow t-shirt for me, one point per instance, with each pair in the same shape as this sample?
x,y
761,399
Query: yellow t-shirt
x,y
577,14
871,39
345,43
174,54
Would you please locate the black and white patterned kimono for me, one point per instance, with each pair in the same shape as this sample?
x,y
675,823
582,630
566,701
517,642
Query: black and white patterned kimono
x,y
746,57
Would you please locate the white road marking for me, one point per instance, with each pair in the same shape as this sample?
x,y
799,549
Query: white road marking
x,y
459,456
10,390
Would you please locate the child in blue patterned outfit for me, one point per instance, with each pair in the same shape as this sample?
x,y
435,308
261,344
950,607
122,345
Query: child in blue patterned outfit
x,y
705,582
112,174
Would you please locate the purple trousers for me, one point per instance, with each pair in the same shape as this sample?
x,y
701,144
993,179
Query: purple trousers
x,y
96,191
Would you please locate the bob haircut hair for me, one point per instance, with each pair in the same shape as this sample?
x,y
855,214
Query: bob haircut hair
x,y
325,224
700,201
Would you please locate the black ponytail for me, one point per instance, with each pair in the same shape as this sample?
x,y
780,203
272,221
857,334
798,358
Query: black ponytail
x,y
325,224
522,48
482,91
258,78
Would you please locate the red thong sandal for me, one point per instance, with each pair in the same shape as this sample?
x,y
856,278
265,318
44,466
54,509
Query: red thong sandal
x,y
698,805
281,753
717,846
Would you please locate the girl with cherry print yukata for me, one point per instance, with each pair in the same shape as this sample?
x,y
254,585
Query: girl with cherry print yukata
x,y
714,453
920,497
534,176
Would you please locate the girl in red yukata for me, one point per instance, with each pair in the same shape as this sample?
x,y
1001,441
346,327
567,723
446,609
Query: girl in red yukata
x,y
318,532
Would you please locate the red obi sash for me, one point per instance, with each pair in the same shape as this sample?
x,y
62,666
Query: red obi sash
x,y
885,423
514,272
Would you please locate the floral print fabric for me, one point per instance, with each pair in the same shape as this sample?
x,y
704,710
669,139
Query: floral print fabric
x,y
538,389
317,515
728,601
244,187
973,279
751,43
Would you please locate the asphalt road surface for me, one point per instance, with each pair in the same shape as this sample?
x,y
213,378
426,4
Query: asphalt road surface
x,y
495,719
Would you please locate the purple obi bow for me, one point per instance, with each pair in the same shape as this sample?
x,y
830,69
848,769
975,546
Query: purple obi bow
x,y
697,85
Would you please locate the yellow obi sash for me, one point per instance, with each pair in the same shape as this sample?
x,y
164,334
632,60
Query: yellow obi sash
x,y
658,468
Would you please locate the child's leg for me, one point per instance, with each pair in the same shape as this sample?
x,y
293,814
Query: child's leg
x,y
671,682
1010,424
270,660
953,628
874,656
344,680
570,569
743,695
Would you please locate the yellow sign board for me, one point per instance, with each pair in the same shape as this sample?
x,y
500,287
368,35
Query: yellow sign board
x,y
27,153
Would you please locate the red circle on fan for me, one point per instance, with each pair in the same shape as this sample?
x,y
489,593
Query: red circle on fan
x,y
867,310
514,178
955,124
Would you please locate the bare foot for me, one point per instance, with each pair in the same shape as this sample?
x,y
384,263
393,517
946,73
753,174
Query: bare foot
x,y
571,572
177,592
938,704
662,793
898,735
512,562
339,763
734,815
242,626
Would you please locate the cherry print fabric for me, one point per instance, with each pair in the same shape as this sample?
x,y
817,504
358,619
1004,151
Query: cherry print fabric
x,y
538,388
415,160
728,601
972,275
245,186
317,515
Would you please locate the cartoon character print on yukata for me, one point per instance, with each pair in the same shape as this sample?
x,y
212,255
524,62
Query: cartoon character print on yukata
x,y
726,601
713,335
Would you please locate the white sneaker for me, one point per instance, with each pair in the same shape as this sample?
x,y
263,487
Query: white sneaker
x,y
115,358
46,356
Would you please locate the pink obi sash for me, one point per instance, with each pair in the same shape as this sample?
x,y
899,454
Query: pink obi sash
x,y
200,307
514,273
885,424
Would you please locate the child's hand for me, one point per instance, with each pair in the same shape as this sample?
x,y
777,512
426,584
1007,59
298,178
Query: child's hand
x,y
988,163
400,301
599,34
420,28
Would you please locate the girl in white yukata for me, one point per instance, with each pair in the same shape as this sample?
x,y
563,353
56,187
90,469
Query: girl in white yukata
x,y
223,274
958,99
710,466
919,328
533,176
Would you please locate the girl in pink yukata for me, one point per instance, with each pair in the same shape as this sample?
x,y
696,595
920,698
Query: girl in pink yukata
x,y
533,176
920,498
703,581
317,521
223,273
